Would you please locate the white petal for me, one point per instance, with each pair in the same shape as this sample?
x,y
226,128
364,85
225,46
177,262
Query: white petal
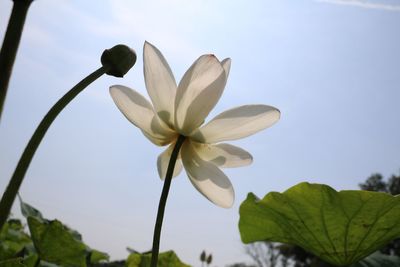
x,y
140,112
237,123
223,155
159,141
207,178
160,83
226,64
163,161
198,92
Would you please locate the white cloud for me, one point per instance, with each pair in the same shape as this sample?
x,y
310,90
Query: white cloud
x,y
364,4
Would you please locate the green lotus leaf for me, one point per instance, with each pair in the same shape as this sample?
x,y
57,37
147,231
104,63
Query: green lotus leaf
x,y
98,256
165,259
31,260
339,227
13,239
55,243
378,260
17,262
27,210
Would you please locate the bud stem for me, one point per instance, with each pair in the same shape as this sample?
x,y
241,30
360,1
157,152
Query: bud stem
x,y
163,201
10,45
16,180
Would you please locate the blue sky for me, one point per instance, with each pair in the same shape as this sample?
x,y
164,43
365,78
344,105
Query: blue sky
x,y
330,66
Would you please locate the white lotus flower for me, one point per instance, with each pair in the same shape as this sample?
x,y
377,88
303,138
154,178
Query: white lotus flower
x,y
181,110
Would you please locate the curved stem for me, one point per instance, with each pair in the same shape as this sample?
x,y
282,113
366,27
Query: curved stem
x,y
10,45
163,201
16,180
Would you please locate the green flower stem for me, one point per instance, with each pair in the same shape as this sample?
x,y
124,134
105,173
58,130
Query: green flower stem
x,y
163,201
16,180
10,45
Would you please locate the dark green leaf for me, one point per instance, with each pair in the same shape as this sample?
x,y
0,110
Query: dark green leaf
x,y
27,210
98,256
12,263
134,260
378,260
13,239
48,264
165,259
30,261
338,227
9,249
56,244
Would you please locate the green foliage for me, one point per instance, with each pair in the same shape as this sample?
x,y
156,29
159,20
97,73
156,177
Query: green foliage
x,y
52,244
98,256
376,183
27,261
30,260
29,211
13,239
16,247
55,243
392,186
339,227
378,260
17,262
301,258
165,259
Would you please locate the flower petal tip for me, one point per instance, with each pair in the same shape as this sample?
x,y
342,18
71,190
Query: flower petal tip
x,y
227,205
147,45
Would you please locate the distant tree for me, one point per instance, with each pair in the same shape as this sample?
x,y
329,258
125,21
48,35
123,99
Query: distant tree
x,y
267,254
394,185
376,183
264,254
292,255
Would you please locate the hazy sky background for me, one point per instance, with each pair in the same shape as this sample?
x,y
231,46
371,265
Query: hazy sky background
x,y
331,66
